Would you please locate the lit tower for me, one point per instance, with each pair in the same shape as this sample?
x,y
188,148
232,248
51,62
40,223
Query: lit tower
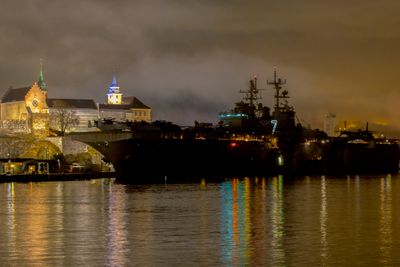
x,y
41,82
114,95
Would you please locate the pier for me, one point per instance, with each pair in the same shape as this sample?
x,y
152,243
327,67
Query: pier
x,y
54,177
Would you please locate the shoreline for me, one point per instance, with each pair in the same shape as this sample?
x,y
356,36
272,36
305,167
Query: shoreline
x,y
55,177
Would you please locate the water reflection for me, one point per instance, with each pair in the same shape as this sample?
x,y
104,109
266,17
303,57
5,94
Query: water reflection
x,y
36,225
385,221
204,223
228,227
253,221
235,221
11,224
249,224
323,220
277,220
117,242
58,236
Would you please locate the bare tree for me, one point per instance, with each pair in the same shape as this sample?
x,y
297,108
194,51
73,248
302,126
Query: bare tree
x,y
62,118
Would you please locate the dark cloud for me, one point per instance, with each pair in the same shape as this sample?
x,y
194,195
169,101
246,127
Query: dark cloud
x,y
188,59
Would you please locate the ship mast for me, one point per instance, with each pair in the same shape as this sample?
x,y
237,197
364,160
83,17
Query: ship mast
x,y
252,95
277,85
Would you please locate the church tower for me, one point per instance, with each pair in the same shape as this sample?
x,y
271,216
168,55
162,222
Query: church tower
x,y
114,96
41,83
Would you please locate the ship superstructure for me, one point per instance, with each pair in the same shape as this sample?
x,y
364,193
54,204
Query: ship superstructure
x,y
252,116
283,116
249,114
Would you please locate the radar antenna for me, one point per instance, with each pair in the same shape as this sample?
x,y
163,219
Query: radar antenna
x,y
277,85
252,95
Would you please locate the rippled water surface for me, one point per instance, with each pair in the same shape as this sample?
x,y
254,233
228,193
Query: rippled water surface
x,y
272,221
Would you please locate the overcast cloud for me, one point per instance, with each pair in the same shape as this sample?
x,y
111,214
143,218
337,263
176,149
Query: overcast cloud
x,y
188,59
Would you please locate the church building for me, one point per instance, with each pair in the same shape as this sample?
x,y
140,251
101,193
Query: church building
x,y
122,108
25,109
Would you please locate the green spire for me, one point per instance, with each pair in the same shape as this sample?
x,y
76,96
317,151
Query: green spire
x,y
41,82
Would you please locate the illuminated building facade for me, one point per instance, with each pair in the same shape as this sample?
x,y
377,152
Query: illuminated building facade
x,y
84,110
25,109
121,108
18,103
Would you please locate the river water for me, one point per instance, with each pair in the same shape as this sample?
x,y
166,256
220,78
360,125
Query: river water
x,y
271,221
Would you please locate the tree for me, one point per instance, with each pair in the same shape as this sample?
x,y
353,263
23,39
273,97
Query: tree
x,y
62,118
26,146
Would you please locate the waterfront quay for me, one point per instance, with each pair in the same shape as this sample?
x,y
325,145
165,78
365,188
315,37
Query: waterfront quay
x,y
54,177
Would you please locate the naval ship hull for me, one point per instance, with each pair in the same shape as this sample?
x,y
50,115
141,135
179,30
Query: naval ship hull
x,y
344,158
149,160
154,160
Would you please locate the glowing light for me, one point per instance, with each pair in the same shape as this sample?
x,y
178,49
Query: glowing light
x,y
280,160
203,184
233,144
232,115
275,124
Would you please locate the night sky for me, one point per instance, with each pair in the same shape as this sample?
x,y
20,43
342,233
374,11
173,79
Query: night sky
x,y
188,59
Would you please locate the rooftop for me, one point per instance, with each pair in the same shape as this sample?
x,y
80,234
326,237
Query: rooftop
x,y
71,103
128,103
15,94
